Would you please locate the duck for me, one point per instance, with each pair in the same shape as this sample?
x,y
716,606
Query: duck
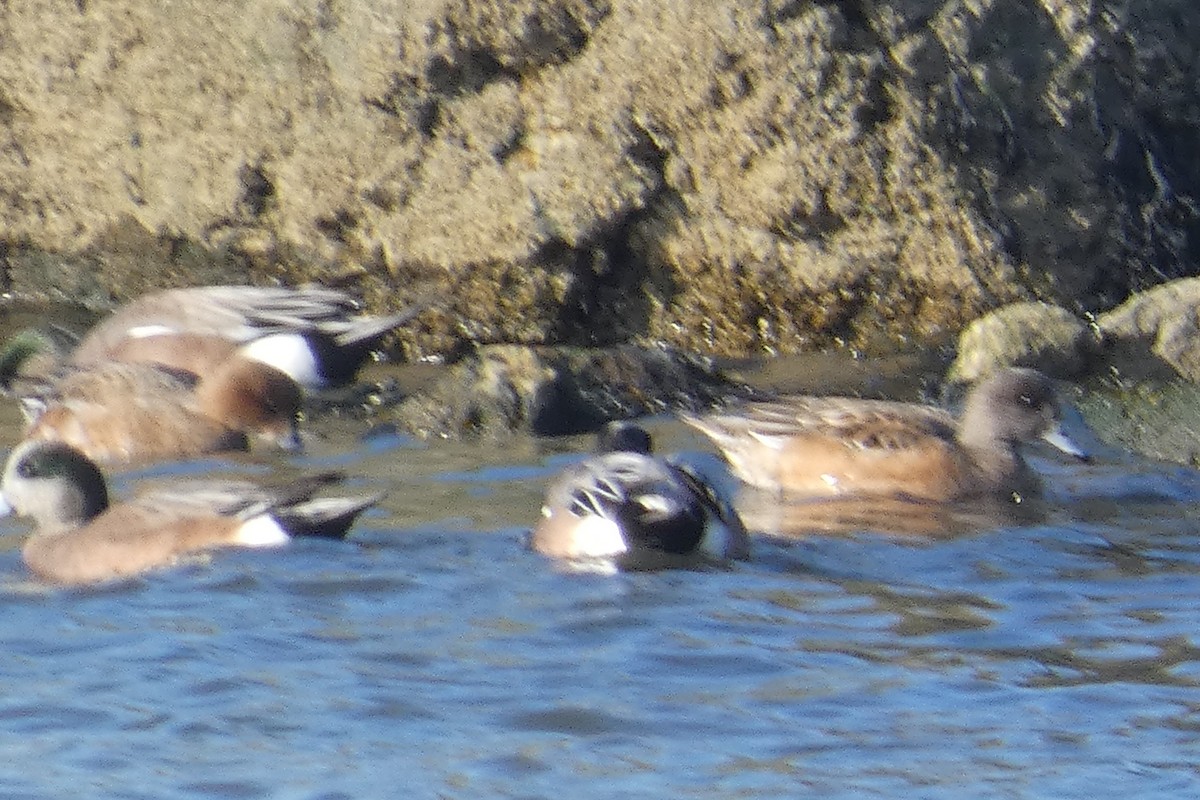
x,y
119,413
805,447
81,537
313,334
625,506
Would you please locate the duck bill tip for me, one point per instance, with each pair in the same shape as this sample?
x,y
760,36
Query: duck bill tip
x,y
1066,444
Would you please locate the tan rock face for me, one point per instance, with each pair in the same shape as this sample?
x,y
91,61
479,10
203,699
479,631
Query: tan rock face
x,y
733,176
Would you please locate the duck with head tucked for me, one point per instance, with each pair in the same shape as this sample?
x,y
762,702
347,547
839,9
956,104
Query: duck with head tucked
x,y
627,507
118,413
82,538
815,447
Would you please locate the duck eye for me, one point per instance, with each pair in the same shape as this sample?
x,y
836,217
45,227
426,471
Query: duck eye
x,y
40,465
29,468
1027,400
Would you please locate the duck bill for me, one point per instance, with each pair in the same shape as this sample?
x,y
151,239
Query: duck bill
x,y
1060,440
291,442
289,439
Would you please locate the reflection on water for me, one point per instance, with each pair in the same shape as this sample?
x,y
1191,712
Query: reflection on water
x,y
1050,654
770,514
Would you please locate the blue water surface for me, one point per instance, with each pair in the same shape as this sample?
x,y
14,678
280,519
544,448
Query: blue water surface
x,y
433,656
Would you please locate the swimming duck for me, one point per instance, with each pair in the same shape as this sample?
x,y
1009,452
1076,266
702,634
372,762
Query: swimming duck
x,y
838,446
626,505
81,538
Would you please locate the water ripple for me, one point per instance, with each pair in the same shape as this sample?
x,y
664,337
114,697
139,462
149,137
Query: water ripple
x,y
434,656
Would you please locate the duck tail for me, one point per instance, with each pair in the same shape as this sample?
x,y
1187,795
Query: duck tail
x,y
323,517
366,331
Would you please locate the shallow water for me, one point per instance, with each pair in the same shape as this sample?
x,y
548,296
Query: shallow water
x,y
1050,655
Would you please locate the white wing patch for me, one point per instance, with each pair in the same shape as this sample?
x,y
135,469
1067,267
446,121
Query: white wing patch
x,y
146,331
290,354
261,531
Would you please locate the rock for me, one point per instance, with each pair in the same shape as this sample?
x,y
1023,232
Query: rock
x,y
1156,421
1037,335
740,177
1156,328
555,391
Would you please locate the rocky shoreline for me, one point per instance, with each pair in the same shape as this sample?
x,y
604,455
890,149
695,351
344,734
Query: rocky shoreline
x,y
739,179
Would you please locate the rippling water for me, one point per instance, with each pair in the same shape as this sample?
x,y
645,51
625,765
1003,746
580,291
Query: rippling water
x,y
1051,656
